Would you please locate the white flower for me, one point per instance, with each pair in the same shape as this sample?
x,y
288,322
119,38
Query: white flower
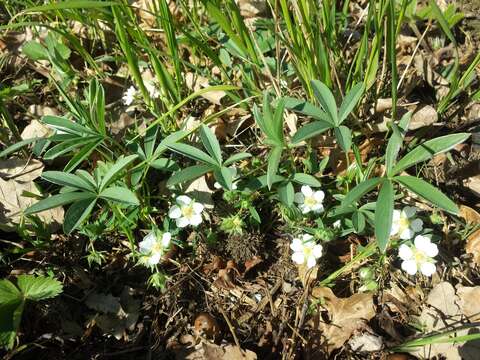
x,y
309,200
419,256
305,250
337,224
403,223
186,212
152,88
152,248
217,185
129,95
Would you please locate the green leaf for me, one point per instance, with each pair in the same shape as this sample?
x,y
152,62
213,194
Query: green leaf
x,y
254,214
237,157
442,21
384,215
66,179
310,130
306,179
57,200
308,109
272,167
278,120
77,213
344,137
361,189
82,154
17,146
326,99
165,164
350,101
396,140
120,195
192,153
9,292
149,142
428,192
188,174
286,194
116,169
428,149
211,143
38,288
224,177
35,51
66,125
358,221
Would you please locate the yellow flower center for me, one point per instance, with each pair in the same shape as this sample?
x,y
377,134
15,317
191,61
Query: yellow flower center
x,y
157,247
419,257
310,201
187,211
403,223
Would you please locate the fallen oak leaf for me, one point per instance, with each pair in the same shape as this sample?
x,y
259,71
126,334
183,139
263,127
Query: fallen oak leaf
x,y
473,246
347,315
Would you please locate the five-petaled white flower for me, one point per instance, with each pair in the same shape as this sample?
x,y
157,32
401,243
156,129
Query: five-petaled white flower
x,y
129,95
403,223
309,200
419,256
186,212
152,247
305,250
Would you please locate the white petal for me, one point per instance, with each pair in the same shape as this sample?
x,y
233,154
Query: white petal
x,y
175,212
319,195
216,185
183,200
410,266
409,211
307,190
296,245
416,225
196,220
145,246
298,257
406,234
405,252
154,259
318,208
395,228
182,222
299,198
311,261
197,207
422,242
305,209
428,268
166,238
337,224
396,215
306,237
317,250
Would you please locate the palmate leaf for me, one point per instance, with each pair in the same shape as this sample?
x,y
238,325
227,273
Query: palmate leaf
x,y
116,168
306,179
189,173
361,189
286,194
192,153
395,141
344,137
120,195
237,157
224,177
66,179
308,109
38,288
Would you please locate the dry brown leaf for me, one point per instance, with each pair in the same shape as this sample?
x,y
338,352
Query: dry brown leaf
x,y
307,275
36,130
473,246
252,8
16,180
20,170
347,315
209,351
199,190
41,110
366,342
473,183
196,82
468,302
424,116
445,311
469,215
